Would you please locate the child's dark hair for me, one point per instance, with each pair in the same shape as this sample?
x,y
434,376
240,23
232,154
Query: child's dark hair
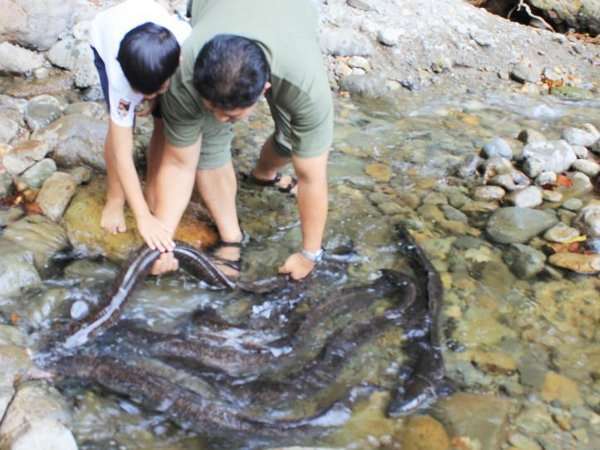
x,y
149,55
231,71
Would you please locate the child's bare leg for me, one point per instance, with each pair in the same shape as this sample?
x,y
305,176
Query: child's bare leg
x,y
113,217
153,158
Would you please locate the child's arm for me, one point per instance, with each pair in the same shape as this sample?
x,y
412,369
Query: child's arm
x,y
152,230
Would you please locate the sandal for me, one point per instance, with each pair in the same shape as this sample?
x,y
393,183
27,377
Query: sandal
x,y
251,179
234,264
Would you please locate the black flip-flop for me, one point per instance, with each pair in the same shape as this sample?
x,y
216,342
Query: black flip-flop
x,y
251,179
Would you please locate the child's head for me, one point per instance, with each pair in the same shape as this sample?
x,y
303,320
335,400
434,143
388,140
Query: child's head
x,y
149,55
231,73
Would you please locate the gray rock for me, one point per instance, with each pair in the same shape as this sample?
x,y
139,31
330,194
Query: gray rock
x,y
586,166
452,213
86,74
38,173
389,36
552,156
6,184
55,195
15,59
552,196
525,72
487,193
530,197
10,215
581,183
482,38
25,155
359,4
588,219
17,271
359,62
573,204
524,261
581,152
68,53
81,174
76,140
41,111
39,22
497,147
546,178
514,225
530,136
577,136
8,130
38,235
345,42
496,165
372,86
512,181
469,166
89,109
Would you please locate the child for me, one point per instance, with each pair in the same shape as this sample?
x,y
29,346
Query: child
x,y
136,47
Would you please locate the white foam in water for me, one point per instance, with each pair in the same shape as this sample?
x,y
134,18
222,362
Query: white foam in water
x,y
338,415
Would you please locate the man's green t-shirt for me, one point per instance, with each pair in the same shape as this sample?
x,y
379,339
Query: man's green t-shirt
x,y
287,31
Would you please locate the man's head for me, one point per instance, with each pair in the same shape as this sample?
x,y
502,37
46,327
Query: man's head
x,y
149,55
231,73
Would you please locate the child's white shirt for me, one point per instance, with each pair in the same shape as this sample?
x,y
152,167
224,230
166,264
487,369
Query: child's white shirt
x,y
108,29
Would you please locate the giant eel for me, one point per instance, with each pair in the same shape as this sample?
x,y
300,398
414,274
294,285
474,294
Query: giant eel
x,y
304,359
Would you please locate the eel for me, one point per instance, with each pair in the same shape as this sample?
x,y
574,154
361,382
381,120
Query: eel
x,y
134,271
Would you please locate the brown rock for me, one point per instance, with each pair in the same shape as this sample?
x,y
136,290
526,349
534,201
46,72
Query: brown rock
x,y
380,172
82,221
424,433
494,362
562,389
56,193
575,262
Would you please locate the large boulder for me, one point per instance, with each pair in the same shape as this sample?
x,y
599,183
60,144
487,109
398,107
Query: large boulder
x,y
36,24
82,221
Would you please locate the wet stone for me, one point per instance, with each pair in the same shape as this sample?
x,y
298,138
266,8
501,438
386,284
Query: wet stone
x,y
424,433
6,184
525,72
546,178
81,174
41,111
55,195
489,193
581,183
573,204
497,147
552,196
523,442
10,215
452,213
575,262
435,198
572,93
561,233
530,136
534,421
35,176
552,156
518,225
581,152
380,172
511,181
561,389
8,129
25,155
530,197
17,271
584,137
590,168
524,261
494,362
482,418
469,166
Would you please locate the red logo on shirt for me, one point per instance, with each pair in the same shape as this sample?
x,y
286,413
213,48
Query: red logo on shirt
x,y
123,108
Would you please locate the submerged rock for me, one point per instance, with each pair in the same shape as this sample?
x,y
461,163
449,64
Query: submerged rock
x,y
55,195
518,225
424,433
524,261
17,271
576,262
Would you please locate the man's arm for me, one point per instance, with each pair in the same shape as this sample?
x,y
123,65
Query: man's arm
x,y
120,145
312,205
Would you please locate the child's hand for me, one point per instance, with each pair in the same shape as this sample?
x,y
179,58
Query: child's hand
x,y
155,234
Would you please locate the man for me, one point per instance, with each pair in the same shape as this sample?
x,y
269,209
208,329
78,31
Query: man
x,y
237,52
136,47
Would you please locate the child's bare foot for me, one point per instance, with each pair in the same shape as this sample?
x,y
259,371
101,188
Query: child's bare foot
x,y
113,217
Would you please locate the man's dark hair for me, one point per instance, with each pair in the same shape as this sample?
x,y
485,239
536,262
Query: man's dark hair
x,y
149,55
231,71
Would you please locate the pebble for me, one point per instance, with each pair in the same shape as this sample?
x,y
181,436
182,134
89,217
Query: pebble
x,y
530,136
573,204
359,4
497,147
389,37
561,233
590,168
530,197
35,176
524,261
577,136
576,262
525,72
552,196
546,178
518,225
580,151
523,442
487,193
359,62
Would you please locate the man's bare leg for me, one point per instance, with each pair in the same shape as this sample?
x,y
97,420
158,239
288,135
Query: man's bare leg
x,y
154,158
218,188
269,163
113,217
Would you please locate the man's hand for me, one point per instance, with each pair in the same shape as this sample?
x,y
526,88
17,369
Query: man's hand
x,y
166,263
146,107
297,266
156,235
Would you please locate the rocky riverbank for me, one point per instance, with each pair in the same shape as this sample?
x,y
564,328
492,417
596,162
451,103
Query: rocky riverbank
x,y
485,144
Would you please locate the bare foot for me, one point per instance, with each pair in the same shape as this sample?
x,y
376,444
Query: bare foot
x,y
113,217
